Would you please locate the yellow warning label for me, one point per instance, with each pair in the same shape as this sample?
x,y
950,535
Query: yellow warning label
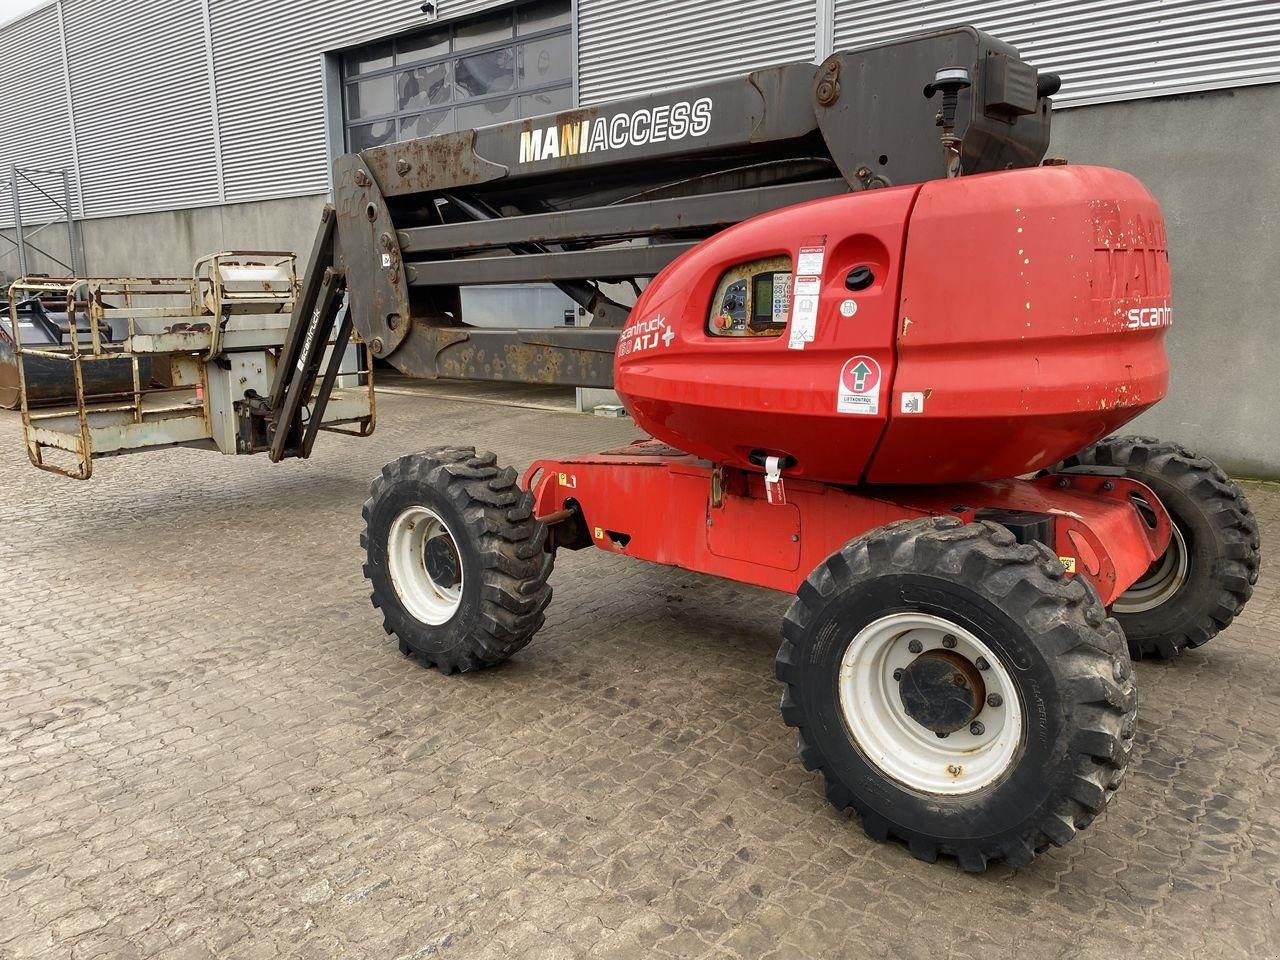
x,y
599,534
1068,564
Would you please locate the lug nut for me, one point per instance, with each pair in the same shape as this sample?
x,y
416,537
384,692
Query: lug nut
x,y
915,646
977,729
981,663
949,641
897,675
994,700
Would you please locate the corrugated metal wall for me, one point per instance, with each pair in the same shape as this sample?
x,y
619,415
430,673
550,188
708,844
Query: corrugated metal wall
x,y
142,107
151,134
626,47
35,130
144,73
1104,49
270,81
269,73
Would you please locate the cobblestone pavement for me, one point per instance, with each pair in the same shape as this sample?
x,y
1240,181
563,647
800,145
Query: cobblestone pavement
x,y
208,748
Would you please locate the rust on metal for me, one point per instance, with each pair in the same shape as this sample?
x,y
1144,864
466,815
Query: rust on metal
x,y
163,332
432,163
367,250
827,91
557,516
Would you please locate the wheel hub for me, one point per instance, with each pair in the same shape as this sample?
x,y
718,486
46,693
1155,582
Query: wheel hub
x,y
440,557
425,566
942,691
1162,580
929,703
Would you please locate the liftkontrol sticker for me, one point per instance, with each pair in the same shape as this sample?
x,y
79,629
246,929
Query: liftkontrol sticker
x,y
859,386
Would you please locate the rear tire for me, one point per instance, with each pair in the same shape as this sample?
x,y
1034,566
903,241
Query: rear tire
x,y
1207,575
953,594
456,559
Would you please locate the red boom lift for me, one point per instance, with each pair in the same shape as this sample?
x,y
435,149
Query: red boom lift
x,y
948,660
879,372
890,403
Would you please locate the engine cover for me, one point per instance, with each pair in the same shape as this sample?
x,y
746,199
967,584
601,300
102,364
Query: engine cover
x,y
958,330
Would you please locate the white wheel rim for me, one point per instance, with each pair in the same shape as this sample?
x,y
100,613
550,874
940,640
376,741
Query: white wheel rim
x,y
426,597
1164,579
904,749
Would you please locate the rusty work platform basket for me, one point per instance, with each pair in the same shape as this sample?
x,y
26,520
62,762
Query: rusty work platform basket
x,y
198,351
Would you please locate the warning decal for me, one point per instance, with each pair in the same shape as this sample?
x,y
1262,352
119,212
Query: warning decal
x,y
859,386
809,262
806,293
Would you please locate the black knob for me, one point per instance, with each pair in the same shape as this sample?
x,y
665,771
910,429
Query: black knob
x,y
860,278
949,81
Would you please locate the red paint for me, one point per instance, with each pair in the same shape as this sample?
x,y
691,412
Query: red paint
x,y
723,397
1025,314
1008,388
1014,318
648,502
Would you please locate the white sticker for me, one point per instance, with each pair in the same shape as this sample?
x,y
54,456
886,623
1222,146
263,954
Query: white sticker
x,y
386,260
859,386
848,308
810,260
804,311
913,403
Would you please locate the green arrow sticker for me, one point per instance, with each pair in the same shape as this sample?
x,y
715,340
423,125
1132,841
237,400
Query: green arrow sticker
x,y
859,390
860,377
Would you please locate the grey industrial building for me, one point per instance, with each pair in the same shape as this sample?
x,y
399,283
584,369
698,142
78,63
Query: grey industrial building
x,y
182,127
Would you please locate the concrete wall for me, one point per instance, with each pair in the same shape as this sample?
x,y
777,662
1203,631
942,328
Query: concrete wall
x,y
159,244
48,249
166,244
1213,162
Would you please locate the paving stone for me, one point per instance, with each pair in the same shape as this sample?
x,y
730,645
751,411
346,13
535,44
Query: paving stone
x,y
209,747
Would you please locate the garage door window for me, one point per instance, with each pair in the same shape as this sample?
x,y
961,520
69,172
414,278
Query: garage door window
x,y
502,66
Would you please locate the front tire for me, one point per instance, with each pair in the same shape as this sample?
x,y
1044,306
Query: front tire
x,y
957,690
1207,574
457,562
